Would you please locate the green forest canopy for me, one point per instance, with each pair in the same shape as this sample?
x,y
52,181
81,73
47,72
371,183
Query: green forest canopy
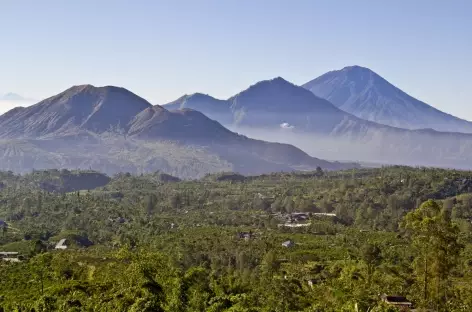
x,y
154,243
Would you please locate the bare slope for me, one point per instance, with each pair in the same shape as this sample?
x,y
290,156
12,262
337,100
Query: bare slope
x,y
365,94
113,130
79,108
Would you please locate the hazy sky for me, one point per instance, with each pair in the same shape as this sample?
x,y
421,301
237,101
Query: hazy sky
x,y
164,49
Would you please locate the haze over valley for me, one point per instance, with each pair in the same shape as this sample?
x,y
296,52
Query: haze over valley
x,y
277,110
351,115
112,130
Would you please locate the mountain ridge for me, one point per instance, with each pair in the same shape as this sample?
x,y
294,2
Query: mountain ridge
x,y
365,94
278,110
112,129
82,106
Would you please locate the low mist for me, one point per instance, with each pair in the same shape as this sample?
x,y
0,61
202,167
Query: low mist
x,y
6,105
371,152
323,147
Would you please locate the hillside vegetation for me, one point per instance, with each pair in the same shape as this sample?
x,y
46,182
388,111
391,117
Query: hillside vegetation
x,y
154,243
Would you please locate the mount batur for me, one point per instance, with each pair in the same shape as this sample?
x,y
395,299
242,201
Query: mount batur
x,y
352,114
112,130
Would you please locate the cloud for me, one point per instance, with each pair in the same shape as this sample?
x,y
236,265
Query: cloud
x,y
286,125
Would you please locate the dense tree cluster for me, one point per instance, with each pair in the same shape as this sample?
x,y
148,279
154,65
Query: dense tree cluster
x,y
155,243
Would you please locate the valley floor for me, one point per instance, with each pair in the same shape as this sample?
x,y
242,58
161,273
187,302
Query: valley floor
x,y
221,243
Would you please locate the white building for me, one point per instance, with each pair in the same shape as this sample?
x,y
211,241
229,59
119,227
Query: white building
x,y
288,244
61,244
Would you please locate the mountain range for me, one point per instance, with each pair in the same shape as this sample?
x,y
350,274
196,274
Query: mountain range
x,y
363,93
113,130
356,116
280,111
268,104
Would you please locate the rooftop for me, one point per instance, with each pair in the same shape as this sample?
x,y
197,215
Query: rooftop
x,y
396,300
8,253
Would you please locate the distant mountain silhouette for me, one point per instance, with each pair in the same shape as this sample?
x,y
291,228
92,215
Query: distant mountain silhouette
x,y
270,104
12,97
278,110
363,93
213,108
111,129
12,100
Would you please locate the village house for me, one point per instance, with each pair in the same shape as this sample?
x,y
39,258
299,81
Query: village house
x,y
294,225
245,235
12,259
61,244
288,244
399,302
324,214
10,256
298,217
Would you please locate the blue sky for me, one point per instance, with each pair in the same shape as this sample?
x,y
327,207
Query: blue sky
x,y
164,49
